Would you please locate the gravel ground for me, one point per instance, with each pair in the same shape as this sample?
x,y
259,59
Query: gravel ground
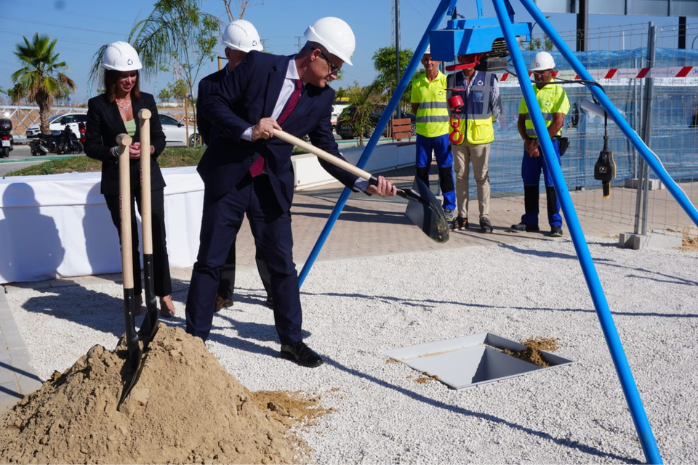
x,y
356,309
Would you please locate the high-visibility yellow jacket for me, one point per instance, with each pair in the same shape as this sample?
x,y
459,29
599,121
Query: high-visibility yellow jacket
x,y
481,100
551,99
432,115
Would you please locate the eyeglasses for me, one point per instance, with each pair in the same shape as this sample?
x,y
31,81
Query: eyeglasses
x,y
333,68
129,75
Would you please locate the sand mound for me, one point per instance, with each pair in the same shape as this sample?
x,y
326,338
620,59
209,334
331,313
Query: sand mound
x,y
532,354
185,408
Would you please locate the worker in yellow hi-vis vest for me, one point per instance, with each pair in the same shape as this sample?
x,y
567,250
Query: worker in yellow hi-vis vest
x,y
472,137
429,104
554,105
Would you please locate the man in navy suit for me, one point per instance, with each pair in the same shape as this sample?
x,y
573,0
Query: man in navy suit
x,y
247,171
239,38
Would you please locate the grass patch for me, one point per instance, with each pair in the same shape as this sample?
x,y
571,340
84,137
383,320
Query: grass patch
x,y
172,157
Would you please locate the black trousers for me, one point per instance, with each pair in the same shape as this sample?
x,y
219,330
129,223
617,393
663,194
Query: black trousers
x,y
271,228
226,285
162,284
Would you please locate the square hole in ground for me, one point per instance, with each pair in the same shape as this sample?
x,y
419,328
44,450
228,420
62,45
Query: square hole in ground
x,y
471,360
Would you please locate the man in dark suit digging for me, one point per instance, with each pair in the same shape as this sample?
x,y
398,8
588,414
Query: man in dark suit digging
x,y
247,171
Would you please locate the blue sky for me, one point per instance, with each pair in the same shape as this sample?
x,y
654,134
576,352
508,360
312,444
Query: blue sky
x,y
81,26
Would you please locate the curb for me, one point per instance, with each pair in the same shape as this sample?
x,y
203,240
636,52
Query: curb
x,y
17,377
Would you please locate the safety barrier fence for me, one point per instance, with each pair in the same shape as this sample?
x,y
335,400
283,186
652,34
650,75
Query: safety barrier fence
x,y
23,116
625,74
673,134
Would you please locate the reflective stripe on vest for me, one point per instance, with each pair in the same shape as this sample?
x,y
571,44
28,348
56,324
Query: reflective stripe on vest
x,y
476,124
432,115
546,93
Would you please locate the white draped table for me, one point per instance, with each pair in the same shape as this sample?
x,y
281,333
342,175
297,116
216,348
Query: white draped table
x,y
59,225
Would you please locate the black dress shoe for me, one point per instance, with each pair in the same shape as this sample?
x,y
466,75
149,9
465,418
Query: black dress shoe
x,y
301,354
222,303
270,302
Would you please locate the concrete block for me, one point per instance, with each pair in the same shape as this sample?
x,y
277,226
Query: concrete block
x,y
7,374
660,239
631,241
13,340
654,184
4,305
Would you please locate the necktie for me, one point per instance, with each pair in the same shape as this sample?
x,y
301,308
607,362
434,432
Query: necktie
x,y
257,167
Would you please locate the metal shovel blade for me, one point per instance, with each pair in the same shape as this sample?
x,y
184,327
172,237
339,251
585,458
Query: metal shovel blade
x,y
424,210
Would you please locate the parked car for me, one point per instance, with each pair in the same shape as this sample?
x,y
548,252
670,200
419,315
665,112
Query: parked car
x,y
57,123
176,132
345,122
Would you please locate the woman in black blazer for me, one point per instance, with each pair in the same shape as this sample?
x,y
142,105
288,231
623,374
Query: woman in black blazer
x,y
115,112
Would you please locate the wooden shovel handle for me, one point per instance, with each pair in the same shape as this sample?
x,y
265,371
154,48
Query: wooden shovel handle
x,y
146,217
286,137
123,141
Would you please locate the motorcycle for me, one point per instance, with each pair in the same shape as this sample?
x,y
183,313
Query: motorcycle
x,y
68,142
59,142
7,141
44,143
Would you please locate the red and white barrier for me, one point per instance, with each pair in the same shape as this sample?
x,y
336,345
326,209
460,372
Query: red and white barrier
x,y
610,74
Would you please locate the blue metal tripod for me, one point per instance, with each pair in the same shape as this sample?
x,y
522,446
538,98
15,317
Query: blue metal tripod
x,y
474,36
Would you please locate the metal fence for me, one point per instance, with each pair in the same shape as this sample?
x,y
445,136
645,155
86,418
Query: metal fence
x,y
23,116
673,123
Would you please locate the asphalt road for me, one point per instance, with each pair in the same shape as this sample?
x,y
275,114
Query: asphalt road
x,y
21,157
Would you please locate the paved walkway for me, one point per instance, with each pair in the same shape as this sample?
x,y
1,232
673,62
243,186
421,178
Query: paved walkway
x,y
367,227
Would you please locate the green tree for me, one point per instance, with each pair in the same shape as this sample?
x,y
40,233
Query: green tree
x,y
363,100
538,44
384,62
165,94
41,78
177,30
242,6
178,90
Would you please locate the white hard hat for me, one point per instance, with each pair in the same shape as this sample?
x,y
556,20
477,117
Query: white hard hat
x,y
242,35
335,35
542,61
428,50
120,56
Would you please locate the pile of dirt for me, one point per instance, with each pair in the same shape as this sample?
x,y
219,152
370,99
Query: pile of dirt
x,y
689,242
531,353
185,408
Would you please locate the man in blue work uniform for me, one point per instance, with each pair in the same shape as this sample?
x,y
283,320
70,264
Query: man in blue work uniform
x,y
429,104
554,105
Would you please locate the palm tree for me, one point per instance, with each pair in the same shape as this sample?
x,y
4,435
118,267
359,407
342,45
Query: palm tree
x,y
16,94
41,77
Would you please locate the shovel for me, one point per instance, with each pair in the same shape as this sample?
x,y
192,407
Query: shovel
x,y
134,350
422,207
150,323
